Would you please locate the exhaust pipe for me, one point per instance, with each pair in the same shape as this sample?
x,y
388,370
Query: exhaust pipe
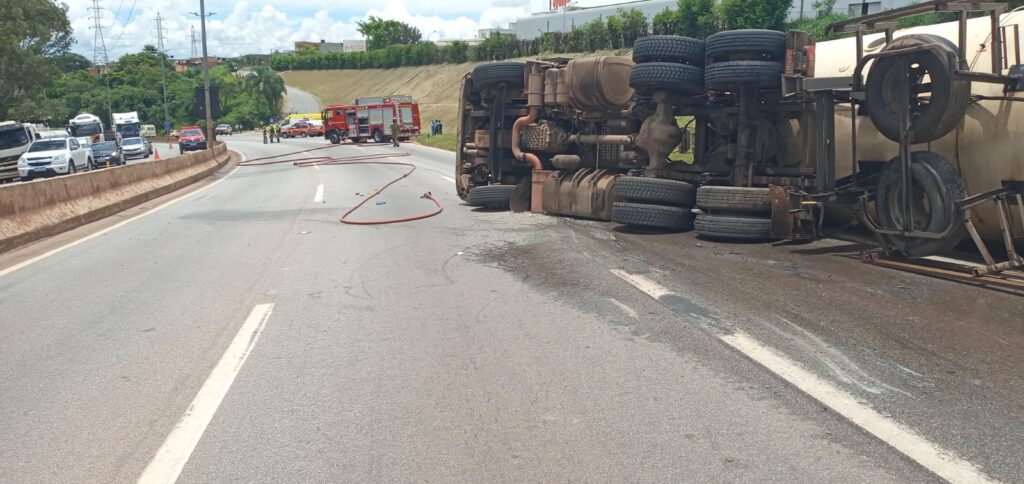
x,y
534,100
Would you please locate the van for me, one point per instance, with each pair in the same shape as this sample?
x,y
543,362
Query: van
x,y
148,130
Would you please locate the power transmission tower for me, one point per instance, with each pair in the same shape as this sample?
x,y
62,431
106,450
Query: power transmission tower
x,y
99,52
163,60
195,44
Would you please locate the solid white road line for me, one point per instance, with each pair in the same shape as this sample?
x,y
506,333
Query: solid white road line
x,y
319,197
940,461
169,461
23,264
447,178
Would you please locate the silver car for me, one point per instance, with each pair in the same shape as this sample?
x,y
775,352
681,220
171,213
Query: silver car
x,y
136,147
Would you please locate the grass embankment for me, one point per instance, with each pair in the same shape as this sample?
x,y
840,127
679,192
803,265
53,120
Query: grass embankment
x,y
443,141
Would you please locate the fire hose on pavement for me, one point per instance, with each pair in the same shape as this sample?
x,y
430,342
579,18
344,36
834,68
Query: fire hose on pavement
x,y
352,160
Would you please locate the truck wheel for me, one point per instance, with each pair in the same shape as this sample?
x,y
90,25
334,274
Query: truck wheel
x,y
724,76
732,227
378,136
658,191
734,199
334,138
492,196
745,44
494,73
666,76
669,48
654,216
937,106
935,189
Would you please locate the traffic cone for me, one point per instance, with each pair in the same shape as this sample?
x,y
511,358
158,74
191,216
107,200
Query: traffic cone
x,y
156,153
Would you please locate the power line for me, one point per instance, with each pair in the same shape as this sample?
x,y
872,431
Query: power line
x,y
99,46
195,44
124,25
163,60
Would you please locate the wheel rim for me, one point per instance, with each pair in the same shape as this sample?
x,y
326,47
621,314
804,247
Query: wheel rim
x,y
920,205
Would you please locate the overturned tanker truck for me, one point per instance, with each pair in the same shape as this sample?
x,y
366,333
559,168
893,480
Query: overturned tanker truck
x,y
917,134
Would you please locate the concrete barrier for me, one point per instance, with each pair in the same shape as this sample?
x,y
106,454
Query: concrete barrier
x,y
35,210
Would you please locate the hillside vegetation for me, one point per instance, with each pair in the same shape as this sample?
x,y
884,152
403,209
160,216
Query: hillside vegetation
x,y
435,87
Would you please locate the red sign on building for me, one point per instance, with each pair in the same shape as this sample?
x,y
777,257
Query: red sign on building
x,y
556,4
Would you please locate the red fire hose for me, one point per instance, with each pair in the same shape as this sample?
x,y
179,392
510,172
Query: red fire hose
x,y
352,160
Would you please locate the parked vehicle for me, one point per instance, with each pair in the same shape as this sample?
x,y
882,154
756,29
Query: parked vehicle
x,y
48,157
15,138
87,126
191,139
302,129
136,147
224,129
106,153
174,133
148,130
127,125
371,121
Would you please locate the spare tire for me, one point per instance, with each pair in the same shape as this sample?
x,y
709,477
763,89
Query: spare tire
x,y
745,44
669,48
654,216
936,187
734,199
658,191
494,73
731,227
947,96
491,196
726,76
666,76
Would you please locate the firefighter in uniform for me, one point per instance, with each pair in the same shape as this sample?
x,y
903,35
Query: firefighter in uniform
x,y
395,131
264,134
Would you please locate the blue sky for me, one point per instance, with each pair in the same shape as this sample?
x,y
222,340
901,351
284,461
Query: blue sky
x,y
260,26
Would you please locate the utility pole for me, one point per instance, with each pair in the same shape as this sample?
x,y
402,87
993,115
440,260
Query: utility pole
x,y
206,73
99,53
163,60
195,43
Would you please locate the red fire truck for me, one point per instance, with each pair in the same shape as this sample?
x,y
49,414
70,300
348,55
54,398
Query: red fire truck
x,y
370,119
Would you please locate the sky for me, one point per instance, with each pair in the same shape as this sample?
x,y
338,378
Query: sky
x,y
256,26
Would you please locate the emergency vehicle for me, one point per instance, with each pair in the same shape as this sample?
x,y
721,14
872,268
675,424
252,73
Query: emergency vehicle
x,y
370,119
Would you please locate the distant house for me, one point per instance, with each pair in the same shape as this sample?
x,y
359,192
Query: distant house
x,y
183,65
322,46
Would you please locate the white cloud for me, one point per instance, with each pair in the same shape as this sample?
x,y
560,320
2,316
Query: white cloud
x,y
262,26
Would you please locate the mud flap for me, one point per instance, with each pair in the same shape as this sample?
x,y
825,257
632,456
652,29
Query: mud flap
x,y
521,196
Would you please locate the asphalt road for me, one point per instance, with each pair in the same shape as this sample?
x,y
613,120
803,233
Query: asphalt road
x,y
242,333
299,101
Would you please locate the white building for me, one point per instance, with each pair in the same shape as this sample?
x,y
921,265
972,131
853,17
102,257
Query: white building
x,y
566,19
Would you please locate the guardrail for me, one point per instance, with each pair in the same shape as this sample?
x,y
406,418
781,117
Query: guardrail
x,y
43,208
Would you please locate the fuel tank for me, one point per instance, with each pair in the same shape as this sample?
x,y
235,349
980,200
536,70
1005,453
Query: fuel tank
x,y
987,147
599,83
585,193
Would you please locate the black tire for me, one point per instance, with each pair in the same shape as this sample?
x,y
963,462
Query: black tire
x,y
656,76
726,76
72,169
948,99
494,73
491,196
745,44
653,216
734,199
334,138
378,136
934,180
303,134
669,48
654,190
733,227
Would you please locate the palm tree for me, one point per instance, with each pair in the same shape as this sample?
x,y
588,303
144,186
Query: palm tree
x,y
263,83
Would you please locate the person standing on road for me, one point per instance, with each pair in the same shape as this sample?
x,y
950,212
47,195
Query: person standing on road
x,y
264,134
395,131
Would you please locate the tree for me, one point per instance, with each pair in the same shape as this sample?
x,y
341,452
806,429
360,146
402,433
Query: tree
x,y
697,18
31,32
754,14
70,62
265,85
382,33
634,25
665,22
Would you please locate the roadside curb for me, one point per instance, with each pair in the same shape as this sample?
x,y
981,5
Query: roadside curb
x,y
33,211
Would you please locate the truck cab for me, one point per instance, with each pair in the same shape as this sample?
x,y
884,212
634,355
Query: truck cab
x,y
15,138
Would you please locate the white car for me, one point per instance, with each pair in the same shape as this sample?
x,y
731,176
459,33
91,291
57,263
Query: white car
x,y
46,157
136,147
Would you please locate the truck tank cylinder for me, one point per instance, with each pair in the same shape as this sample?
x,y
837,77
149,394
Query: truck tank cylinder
x,y
585,193
561,89
535,90
550,86
600,83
